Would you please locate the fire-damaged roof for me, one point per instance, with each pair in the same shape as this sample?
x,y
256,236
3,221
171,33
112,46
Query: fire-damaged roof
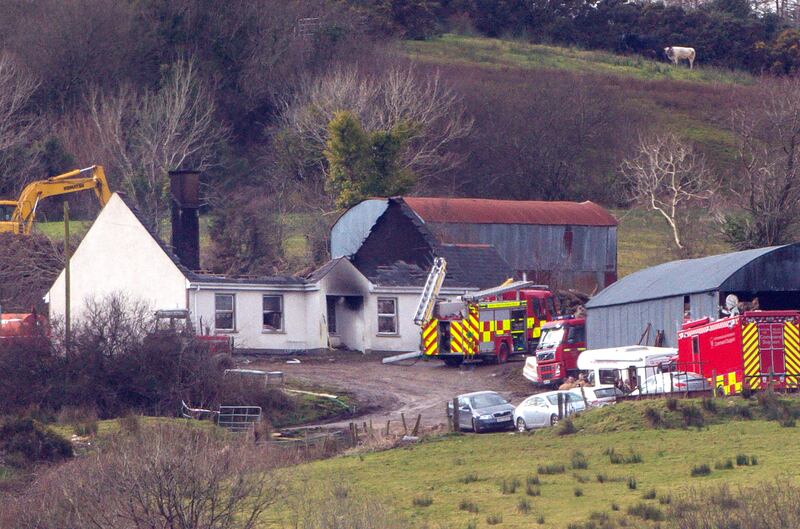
x,y
468,266
490,211
763,269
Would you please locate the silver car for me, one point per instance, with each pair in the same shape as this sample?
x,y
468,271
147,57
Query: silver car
x,y
482,411
598,396
675,382
538,411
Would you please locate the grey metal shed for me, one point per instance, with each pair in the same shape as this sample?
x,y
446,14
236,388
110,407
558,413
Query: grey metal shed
x,y
663,296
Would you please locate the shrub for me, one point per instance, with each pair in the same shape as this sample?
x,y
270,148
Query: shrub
x,y
580,478
578,492
469,506
615,506
533,480
742,460
724,465
602,478
472,524
524,506
710,405
540,519
788,422
632,483
131,424
753,460
744,412
617,459
422,501
665,500
653,417
533,490
672,404
692,416
469,478
509,486
646,512
579,461
552,468
567,427
650,494
701,470
86,428
494,519
26,442
746,391
598,516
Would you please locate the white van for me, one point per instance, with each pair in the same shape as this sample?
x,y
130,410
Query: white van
x,y
627,365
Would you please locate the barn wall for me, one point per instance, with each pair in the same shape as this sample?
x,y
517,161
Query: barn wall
x,y
577,256
620,325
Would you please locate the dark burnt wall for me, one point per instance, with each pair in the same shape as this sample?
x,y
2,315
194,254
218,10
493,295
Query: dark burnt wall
x,y
395,237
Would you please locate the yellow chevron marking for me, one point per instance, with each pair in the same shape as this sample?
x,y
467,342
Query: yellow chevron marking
x,y
749,331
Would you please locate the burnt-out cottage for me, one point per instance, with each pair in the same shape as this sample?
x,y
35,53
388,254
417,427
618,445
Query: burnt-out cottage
x,y
563,244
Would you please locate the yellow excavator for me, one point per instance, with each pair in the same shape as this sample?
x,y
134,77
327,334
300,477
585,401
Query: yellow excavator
x,y
17,216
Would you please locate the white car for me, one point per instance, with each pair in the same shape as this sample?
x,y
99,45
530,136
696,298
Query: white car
x,y
597,396
531,369
676,382
538,411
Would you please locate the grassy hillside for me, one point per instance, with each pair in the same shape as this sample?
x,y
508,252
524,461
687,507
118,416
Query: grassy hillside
x,y
472,469
509,53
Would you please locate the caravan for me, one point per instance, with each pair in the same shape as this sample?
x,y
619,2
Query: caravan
x,y
625,367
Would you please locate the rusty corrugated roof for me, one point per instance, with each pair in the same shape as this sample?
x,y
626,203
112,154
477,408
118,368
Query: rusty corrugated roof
x,y
490,211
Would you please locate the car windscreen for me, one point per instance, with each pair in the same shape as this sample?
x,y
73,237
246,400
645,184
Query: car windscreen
x,y
604,393
487,400
551,338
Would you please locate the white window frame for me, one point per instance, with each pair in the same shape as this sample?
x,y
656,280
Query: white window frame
x,y
232,311
280,298
386,315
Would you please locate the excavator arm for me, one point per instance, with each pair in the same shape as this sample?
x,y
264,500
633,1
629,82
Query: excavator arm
x,y
24,213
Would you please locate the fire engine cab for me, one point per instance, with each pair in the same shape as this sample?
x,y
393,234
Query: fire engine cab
x,y
755,349
562,341
489,325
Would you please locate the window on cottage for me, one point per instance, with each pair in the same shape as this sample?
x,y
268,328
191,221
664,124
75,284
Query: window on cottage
x,y
225,312
331,315
272,318
387,316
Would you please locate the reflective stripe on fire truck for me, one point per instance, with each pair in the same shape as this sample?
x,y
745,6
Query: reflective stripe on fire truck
x,y
729,383
791,351
752,358
456,339
429,337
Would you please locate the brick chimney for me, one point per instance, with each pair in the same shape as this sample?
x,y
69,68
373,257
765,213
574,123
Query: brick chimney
x,y
185,193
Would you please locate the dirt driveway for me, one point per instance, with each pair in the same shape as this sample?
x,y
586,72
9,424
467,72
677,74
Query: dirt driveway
x,y
386,390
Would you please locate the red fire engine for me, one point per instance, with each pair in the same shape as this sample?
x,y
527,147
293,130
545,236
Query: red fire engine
x,y
490,324
758,348
562,341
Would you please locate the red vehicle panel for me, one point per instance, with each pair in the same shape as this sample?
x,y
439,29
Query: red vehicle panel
x,y
557,354
757,348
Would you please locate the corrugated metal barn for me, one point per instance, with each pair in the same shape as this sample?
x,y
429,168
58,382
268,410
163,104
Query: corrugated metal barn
x,y
564,244
664,295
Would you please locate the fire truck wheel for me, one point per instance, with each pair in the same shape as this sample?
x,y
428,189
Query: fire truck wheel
x,y
453,362
553,420
502,355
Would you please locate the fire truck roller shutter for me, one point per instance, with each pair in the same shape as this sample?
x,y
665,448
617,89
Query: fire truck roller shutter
x,y
791,344
752,358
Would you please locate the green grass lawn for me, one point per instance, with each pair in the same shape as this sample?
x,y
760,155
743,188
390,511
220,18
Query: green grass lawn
x,y
438,469
504,53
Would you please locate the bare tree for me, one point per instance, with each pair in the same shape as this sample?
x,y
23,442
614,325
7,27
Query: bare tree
x,y
17,124
667,175
382,101
28,267
147,134
768,130
177,477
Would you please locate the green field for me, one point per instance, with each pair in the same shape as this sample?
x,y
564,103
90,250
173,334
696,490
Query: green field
x,y
459,49
472,468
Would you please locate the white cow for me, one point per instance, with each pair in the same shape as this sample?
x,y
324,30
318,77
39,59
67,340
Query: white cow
x,y
679,53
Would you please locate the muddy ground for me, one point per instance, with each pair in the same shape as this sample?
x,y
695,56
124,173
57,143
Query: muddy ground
x,y
384,391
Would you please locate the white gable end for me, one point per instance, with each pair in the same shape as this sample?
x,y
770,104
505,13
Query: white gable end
x,y
118,255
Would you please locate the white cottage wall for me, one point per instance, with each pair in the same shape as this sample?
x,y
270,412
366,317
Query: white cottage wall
x,y
119,256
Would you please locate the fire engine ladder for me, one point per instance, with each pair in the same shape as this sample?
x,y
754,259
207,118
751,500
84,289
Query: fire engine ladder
x,y
496,291
429,292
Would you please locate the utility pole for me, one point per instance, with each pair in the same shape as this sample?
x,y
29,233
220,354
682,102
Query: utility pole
x,y
67,325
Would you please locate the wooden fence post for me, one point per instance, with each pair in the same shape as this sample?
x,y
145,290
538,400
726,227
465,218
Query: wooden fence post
x,y
415,431
714,383
456,418
560,406
388,422
403,418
